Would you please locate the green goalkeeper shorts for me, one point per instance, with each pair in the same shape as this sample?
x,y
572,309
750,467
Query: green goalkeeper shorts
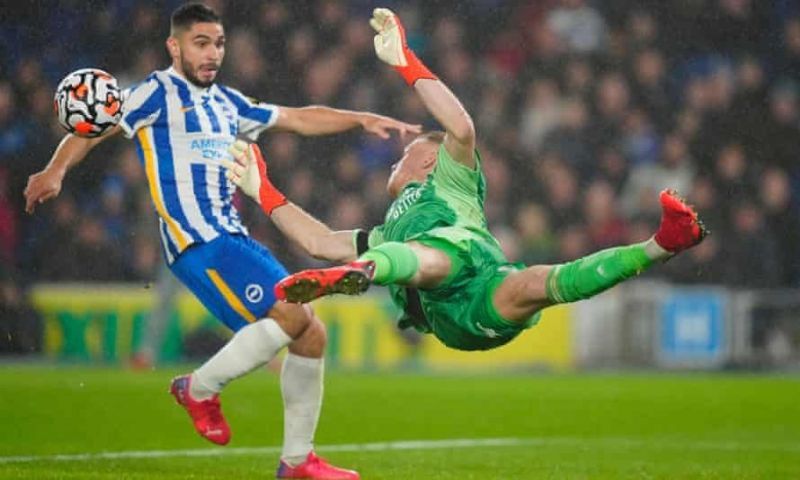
x,y
460,311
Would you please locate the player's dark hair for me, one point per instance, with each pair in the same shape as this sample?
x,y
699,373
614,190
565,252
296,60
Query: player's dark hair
x,y
190,13
435,136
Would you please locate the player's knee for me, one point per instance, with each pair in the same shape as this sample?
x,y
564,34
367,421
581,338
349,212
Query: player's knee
x,y
522,293
535,282
313,340
294,319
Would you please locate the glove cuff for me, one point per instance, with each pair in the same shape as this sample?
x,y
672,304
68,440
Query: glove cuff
x,y
415,69
270,197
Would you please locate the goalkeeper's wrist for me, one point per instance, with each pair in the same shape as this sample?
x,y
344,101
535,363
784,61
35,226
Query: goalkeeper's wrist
x,y
360,241
414,70
271,198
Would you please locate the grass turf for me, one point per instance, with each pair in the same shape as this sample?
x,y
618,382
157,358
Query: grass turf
x,y
580,426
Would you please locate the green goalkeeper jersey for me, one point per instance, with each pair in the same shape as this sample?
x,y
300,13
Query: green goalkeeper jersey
x,y
448,205
446,212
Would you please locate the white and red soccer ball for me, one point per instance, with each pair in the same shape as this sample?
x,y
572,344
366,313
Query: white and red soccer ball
x,y
88,102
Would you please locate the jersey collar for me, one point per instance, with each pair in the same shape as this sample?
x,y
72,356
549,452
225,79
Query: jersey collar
x,y
192,87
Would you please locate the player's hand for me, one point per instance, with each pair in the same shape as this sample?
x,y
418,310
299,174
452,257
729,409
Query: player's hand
x,y
383,126
243,169
42,187
248,171
391,47
390,41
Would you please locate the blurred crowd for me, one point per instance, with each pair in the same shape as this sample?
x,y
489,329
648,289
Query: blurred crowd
x,y
584,110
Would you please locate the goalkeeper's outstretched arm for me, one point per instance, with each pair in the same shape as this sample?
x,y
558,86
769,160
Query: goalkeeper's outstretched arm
x,y
391,47
44,185
249,172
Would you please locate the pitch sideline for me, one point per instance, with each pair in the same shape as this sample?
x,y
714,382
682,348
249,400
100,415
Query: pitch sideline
x,y
408,445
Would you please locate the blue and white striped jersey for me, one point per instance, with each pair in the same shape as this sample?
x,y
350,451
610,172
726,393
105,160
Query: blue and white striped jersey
x,y
182,132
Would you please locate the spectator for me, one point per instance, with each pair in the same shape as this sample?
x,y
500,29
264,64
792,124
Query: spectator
x,y
13,131
639,139
541,113
20,326
8,222
642,28
736,27
604,225
579,26
568,139
734,180
673,170
561,187
611,103
781,140
650,86
783,223
789,60
749,257
537,243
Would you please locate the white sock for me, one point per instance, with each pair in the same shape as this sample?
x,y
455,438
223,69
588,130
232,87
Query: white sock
x,y
252,346
656,252
301,386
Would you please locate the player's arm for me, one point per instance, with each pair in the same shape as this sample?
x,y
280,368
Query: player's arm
x,y
319,120
391,47
249,173
46,184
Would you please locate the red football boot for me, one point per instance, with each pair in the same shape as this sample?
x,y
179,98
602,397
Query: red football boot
x,y
680,228
315,468
302,287
206,414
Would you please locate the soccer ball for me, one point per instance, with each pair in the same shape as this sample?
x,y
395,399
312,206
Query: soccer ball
x,y
88,102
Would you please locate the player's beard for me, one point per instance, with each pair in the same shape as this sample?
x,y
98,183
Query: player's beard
x,y
189,73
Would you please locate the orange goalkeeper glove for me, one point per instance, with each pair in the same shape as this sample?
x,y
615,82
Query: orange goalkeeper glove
x,y
249,173
392,48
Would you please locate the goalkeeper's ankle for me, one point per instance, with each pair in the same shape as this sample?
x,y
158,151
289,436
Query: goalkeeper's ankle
x,y
656,252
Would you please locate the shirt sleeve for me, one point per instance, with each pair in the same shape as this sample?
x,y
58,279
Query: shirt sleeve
x,y
254,116
453,175
141,106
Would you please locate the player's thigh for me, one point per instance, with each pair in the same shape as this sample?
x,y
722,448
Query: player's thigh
x,y
233,276
435,263
522,293
480,325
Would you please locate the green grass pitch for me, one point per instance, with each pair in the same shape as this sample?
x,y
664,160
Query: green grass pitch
x,y
582,426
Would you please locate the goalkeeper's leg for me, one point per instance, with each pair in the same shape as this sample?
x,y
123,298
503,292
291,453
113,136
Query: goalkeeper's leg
x,y
523,293
412,264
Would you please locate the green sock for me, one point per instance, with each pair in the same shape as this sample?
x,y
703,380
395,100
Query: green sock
x,y
395,262
590,275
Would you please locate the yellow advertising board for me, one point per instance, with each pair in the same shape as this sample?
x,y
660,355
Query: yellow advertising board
x,y
105,322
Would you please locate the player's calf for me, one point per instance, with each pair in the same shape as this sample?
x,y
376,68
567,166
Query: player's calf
x,y
680,229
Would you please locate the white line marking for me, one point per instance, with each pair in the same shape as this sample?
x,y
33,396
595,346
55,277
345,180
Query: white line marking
x,y
612,442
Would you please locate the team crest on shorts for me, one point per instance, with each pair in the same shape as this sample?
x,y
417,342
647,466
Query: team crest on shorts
x,y
254,293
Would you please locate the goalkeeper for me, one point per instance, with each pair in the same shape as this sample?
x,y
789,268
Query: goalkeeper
x,y
443,267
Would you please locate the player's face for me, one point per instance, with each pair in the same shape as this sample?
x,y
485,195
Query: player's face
x,y
199,52
418,160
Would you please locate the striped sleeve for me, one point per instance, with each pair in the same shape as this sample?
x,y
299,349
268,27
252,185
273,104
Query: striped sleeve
x,y
254,116
141,106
